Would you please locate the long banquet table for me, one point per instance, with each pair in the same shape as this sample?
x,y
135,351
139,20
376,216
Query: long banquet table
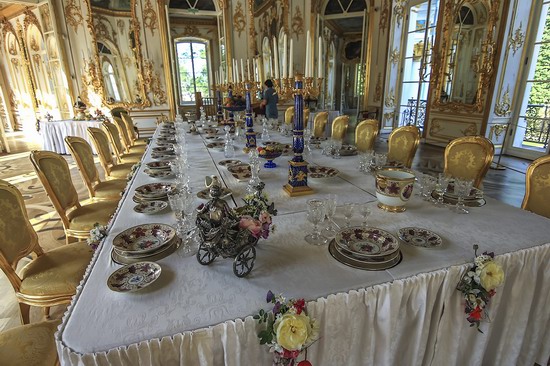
x,y
54,133
409,314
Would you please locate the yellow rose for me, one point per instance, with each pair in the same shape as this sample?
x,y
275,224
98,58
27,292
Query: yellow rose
x,y
292,331
491,276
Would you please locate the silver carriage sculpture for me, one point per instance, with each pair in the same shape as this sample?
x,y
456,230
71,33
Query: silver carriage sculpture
x,y
220,231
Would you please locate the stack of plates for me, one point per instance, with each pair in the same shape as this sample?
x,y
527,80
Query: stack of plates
x,y
144,242
369,248
152,192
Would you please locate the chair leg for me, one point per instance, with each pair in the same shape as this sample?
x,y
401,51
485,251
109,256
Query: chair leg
x,y
70,239
46,310
24,313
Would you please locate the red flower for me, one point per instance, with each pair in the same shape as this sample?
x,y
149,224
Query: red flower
x,y
304,363
290,354
475,315
299,305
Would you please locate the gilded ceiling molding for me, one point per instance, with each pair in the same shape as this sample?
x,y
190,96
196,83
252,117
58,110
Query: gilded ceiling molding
x,y
239,19
7,27
73,15
394,56
384,16
297,23
503,106
378,88
515,42
150,19
389,102
399,10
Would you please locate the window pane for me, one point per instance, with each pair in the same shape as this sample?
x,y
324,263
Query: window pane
x,y
201,68
185,66
411,70
418,17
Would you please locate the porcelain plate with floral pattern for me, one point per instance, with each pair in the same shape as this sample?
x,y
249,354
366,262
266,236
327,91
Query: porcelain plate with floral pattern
x,y
158,165
134,277
150,207
241,172
153,190
228,162
322,172
144,238
155,173
420,237
367,242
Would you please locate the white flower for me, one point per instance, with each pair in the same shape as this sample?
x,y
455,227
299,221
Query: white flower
x,y
481,259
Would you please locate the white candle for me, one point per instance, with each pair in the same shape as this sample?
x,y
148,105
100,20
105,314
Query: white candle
x,y
306,71
242,77
291,60
285,69
276,57
216,77
320,60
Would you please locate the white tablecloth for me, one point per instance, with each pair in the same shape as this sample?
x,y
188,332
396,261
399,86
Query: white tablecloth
x,y
410,314
54,133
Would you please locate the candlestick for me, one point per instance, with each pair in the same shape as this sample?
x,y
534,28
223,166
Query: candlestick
x,y
291,60
276,57
250,134
285,69
248,74
243,76
319,62
307,55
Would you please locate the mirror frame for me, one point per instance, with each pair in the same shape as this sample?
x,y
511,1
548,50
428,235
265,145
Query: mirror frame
x,y
99,84
487,62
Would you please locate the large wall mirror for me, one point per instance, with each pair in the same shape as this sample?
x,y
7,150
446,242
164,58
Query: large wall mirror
x,y
117,50
465,66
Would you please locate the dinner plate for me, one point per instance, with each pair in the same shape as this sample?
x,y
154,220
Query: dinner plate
x,y
367,242
154,173
228,162
158,165
419,237
164,150
217,145
321,172
205,193
134,277
153,190
241,172
475,194
150,207
144,238
161,156
453,201
367,266
159,254
374,260
348,150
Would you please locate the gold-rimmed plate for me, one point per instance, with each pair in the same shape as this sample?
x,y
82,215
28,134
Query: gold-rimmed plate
x,y
333,249
367,242
144,238
150,207
153,190
322,172
134,277
419,237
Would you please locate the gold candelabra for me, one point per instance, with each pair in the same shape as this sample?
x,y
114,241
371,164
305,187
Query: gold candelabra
x,y
286,89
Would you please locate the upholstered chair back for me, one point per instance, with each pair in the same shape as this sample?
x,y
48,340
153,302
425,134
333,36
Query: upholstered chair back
x,y
469,157
320,124
402,145
101,144
129,125
340,127
84,158
123,132
306,116
289,115
365,134
114,138
537,187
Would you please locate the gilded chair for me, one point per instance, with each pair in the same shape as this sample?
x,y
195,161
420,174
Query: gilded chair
x,y
101,144
128,146
402,144
116,144
469,157
320,124
53,171
306,116
289,115
340,127
365,134
84,158
30,345
131,129
52,277
537,187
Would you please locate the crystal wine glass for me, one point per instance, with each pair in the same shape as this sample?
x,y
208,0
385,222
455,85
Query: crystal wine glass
x,y
428,184
364,210
331,203
365,161
336,147
462,188
316,210
349,207
380,160
441,187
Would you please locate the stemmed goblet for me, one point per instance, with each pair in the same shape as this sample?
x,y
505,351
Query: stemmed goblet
x,y
365,211
316,210
331,203
441,187
462,188
349,207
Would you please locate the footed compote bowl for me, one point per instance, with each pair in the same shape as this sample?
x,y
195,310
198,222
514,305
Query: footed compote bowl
x,y
269,153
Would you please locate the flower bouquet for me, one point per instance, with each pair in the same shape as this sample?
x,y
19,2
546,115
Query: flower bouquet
x,y
289,329
478,286
255,214
96,235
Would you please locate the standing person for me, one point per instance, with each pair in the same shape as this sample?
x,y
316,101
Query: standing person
x,y
270,100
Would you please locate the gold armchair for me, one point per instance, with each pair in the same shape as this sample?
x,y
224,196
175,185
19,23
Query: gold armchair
x,y
50,279
30,345
469,157
340,127
128,146
84,158
101,144
402,144
320,124
306,116
365,134
131,128
116,144
53,171
289,115
537,187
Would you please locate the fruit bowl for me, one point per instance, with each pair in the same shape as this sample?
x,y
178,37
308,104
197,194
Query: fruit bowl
x,y
269,154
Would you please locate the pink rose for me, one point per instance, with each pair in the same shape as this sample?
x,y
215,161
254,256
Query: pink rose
x,y
252,225
265,217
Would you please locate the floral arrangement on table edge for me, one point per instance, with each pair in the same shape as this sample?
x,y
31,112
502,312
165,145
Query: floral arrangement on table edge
x,y
256,213
289,329
96,235
133,171
478,286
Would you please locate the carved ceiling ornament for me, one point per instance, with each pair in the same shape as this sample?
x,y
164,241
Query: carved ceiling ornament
x,y
384,16
399,10
515,41
503,106
73,15
239,20
297,23
150,19
191,31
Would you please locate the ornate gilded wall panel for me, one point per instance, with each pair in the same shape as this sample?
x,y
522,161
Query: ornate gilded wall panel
x,y
73,15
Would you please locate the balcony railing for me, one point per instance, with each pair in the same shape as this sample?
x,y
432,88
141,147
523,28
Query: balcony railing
x,y
412,115
537,122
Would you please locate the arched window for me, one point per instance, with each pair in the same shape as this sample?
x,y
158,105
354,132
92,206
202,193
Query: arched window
x,y
110,81
193,70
